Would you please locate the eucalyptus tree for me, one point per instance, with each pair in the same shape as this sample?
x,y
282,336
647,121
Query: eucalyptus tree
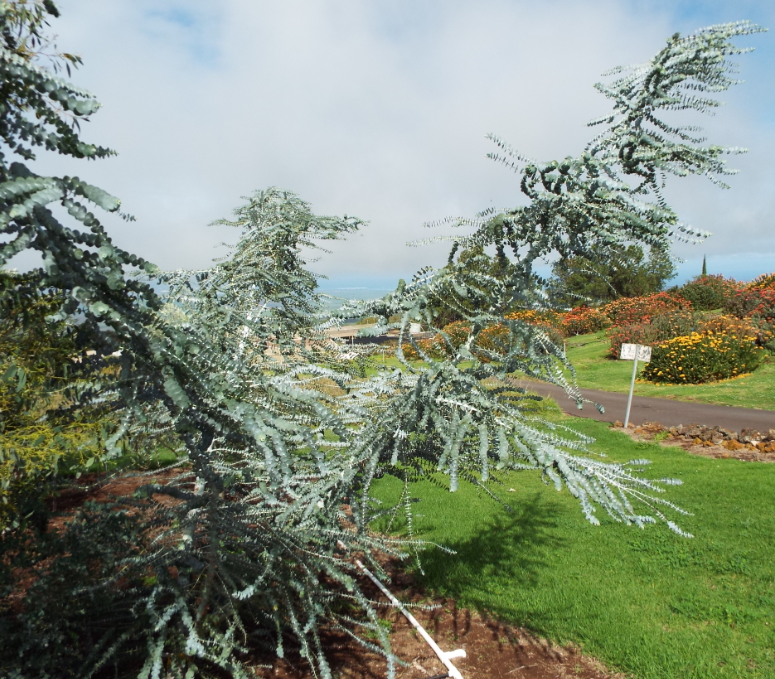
x,y
247,550
251,543
608,196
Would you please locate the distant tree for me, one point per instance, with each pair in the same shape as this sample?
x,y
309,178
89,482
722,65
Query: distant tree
x,y
709,292
704,266
609,272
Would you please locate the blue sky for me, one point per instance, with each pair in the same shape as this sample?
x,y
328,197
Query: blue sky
x,y
379,108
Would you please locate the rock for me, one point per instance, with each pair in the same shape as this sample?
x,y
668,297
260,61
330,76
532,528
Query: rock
x,y
733,444
694,431
749,436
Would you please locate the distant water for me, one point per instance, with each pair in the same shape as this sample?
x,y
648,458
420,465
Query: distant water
x,y
341,295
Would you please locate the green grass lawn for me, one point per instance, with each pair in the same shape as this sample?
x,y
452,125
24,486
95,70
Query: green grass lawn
x,y
646,602
594,371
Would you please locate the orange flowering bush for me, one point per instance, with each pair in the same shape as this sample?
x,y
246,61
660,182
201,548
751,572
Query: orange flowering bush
x,y
753,302
636,310
551,322
436,347
543,317
494,338
583,320
703,357
766,280
662,327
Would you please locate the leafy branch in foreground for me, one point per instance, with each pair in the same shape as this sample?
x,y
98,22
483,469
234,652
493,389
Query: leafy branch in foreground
x,y
464,409
612,192
251,544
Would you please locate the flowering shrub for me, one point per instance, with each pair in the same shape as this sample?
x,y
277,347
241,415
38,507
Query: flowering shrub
x,y
436,347
636,310
551,322
766,280
753,302
710,292
496,337
703,357
583,320
492,338
544,317
763,332
662,327
728,324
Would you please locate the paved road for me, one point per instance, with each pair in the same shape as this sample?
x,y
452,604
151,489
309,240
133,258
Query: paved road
x,y
667,412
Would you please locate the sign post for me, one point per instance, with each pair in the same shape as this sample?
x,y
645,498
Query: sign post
x,y
633,352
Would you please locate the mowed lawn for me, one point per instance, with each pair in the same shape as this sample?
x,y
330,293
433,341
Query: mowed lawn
x,y
646,602
594,371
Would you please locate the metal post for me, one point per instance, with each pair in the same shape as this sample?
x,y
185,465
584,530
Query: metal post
x,y
632,386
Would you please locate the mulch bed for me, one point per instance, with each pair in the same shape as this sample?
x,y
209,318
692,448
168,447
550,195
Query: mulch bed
x,y
493,649
748,445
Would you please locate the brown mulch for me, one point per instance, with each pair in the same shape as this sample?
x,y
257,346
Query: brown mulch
x,y
748,445
92,489
493,650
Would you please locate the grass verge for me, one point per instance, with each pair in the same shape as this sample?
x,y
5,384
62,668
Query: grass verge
x,y
594,371
644,601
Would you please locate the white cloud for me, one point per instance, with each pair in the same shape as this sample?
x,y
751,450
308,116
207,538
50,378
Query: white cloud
x,y
377,109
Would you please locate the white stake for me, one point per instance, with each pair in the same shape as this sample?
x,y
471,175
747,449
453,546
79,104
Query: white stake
x,y
444,657
632,386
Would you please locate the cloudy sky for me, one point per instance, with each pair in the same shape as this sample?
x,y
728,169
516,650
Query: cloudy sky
x,y
379,108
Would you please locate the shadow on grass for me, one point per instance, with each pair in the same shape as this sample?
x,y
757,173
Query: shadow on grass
x,y
505,554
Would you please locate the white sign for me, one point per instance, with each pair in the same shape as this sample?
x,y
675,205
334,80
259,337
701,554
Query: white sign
x,y
628,352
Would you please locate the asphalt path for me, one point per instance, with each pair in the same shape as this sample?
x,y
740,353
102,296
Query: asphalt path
x,y
667,412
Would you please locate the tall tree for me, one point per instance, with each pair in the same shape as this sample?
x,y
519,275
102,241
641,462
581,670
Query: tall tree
x,y
610,272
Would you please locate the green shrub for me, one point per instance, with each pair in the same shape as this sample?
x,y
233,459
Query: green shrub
x,y
709,292
703,357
